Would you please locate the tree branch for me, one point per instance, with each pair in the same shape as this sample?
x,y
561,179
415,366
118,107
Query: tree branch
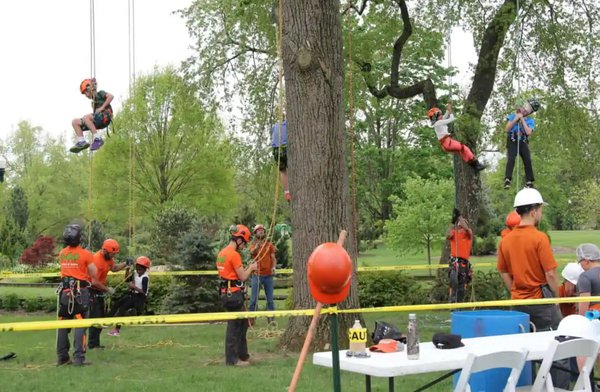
x,y
353,7
424,87
485,71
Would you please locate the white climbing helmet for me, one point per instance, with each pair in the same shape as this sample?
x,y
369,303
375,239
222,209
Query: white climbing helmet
x,y
571,272
576,325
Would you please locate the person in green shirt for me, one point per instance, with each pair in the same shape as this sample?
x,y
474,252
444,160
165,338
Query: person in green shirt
x,y
99,119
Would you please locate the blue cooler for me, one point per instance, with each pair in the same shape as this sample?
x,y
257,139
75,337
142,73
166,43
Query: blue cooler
x,y
473,324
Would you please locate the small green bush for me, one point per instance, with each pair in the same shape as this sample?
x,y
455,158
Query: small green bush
x,y
484,246
486,286
11,302
389,289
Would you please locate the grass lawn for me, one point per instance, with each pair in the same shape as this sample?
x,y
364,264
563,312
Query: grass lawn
x,y
185,358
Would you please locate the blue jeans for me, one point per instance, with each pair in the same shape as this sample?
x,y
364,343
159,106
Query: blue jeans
x,y
267,283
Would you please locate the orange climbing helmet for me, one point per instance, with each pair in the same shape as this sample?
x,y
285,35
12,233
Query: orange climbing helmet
x,y
242,232
110,246
87,83
143,261
433,114
329,273
513,219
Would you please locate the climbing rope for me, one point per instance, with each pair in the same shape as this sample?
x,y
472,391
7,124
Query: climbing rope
x,y
93,86
352,135
131,36
518,76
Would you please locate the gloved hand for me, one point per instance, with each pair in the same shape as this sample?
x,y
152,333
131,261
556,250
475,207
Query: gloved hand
x,y
111,291
129,261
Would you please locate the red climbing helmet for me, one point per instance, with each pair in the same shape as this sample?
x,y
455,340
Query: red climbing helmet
x,y
433,114
513,219
87,83
143,261
329,273
110,246
243,232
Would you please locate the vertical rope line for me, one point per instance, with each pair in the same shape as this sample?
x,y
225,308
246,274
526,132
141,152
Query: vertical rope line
x,y
131,28
352,135
93,86
518,75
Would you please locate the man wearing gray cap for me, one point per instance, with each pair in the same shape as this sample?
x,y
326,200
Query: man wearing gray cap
x,y
588,256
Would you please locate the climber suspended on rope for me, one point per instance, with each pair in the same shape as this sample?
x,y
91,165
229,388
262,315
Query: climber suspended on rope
x,y
100,118
279,143
440,124
519,126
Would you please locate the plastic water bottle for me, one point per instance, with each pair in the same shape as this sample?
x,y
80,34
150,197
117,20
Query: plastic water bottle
x,y
592,314
412,340
358,340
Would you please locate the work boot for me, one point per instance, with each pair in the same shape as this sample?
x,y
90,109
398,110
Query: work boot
x,y
478,166
529,184
242,363
83,363
97,143
95,347
62,362
79,146
507,182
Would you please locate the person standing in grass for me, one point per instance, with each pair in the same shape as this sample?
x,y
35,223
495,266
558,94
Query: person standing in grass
x,y
460,271
263,251
232,290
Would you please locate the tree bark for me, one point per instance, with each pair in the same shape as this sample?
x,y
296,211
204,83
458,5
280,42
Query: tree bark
x,y
321,207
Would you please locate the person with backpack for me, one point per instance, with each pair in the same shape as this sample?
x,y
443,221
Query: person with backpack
x,y
460,271
440,123
77,274
100,117
519,127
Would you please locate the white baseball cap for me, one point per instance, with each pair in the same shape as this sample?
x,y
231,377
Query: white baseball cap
x,y
528,196
571,272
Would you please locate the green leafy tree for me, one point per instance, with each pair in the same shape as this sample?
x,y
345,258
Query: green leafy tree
x,y
586,205
17,208
179,154
422,218
168,228
199,293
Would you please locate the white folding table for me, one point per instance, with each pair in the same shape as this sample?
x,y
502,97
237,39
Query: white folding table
x,y
432,359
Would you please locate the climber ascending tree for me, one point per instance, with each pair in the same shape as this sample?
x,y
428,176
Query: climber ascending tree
x,y
440,124
98,119
519,126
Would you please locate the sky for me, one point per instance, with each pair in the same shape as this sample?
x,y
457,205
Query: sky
x,y
45,49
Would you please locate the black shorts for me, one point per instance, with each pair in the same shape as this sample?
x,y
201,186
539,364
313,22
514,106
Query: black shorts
x,y
280,155
101,120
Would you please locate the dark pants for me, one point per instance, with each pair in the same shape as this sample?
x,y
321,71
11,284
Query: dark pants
x,y
546,317
236,345
72,307
97,307
130,301
511,147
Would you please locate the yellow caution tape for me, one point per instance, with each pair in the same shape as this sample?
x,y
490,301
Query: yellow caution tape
x,y
10,275
224,316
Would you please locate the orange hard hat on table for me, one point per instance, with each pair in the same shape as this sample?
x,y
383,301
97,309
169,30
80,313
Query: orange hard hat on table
x,y
513,219
329,273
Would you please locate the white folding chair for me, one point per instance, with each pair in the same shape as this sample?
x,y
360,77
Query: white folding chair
x,y
514,360
561,350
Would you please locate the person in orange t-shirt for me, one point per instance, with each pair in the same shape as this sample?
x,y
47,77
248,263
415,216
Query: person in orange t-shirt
x,y
570,274
526,262
232,289
263,252
77,272
460,271
512,220
104,262
528,268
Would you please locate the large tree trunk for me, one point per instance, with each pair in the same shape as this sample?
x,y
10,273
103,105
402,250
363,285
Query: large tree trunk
x,y
314,81
466,181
